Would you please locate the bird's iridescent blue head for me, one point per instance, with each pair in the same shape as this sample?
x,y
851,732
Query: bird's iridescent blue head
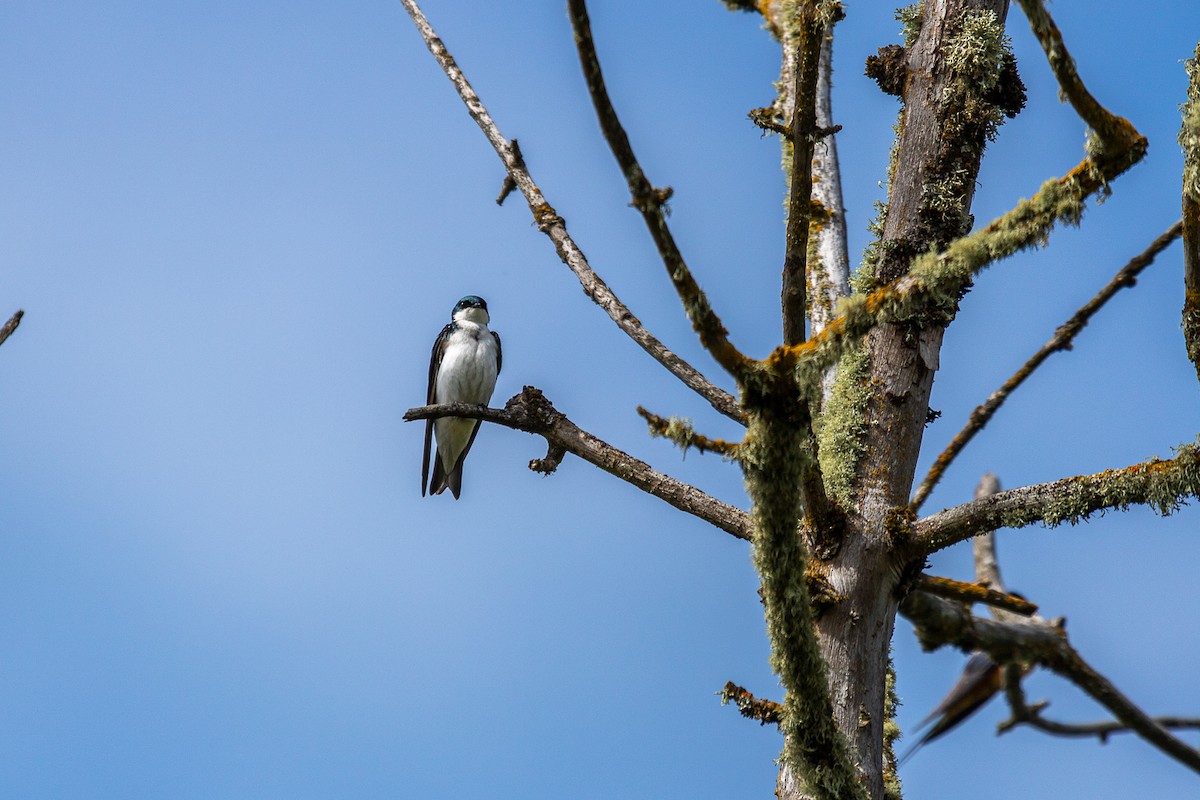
x,y
471,308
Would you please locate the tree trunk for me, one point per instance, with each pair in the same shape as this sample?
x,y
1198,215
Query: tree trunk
x,y
930,192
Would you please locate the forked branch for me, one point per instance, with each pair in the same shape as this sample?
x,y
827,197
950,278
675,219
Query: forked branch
x,y
531,412
555,228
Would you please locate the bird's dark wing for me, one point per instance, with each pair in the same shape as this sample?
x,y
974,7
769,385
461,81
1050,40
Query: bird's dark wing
x,y
435,360
499,352
981,679
977,683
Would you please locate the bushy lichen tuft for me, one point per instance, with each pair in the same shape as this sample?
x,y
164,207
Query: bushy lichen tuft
x,y
1189,133
842,427
909,18
976,51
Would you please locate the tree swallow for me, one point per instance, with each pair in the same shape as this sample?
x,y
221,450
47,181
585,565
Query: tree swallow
x,y
463,368
980,681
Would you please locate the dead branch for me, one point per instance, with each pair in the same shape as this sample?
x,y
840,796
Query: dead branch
x,y
1023,714
555,228
1063,338
1164,485
11,325
940,622
650,201
1108,126
531,412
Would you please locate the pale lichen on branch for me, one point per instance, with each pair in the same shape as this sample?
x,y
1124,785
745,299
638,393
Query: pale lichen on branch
x,y
1162,484
1189,140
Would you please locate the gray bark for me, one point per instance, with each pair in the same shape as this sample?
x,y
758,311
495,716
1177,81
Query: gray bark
x,y
856,634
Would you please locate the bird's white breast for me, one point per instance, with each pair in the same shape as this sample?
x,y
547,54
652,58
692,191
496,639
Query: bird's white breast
x,y
467,373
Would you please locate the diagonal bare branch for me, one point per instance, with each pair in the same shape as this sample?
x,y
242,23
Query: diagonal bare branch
x,y
531,412
1062,339
941,622
650,202
555,228
10,326
1164,485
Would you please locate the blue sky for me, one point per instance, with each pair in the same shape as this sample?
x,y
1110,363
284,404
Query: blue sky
x,y
236,228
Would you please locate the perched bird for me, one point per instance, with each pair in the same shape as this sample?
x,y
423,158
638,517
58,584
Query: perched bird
x,y
463,369
981,679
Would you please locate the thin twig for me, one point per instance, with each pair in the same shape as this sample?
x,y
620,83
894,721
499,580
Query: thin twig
x,y
1062,340
11,325
1164,485
942,622
650,201
1023,714
531,412
555,228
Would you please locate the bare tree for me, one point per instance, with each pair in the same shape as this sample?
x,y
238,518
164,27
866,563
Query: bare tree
x,y
835,415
